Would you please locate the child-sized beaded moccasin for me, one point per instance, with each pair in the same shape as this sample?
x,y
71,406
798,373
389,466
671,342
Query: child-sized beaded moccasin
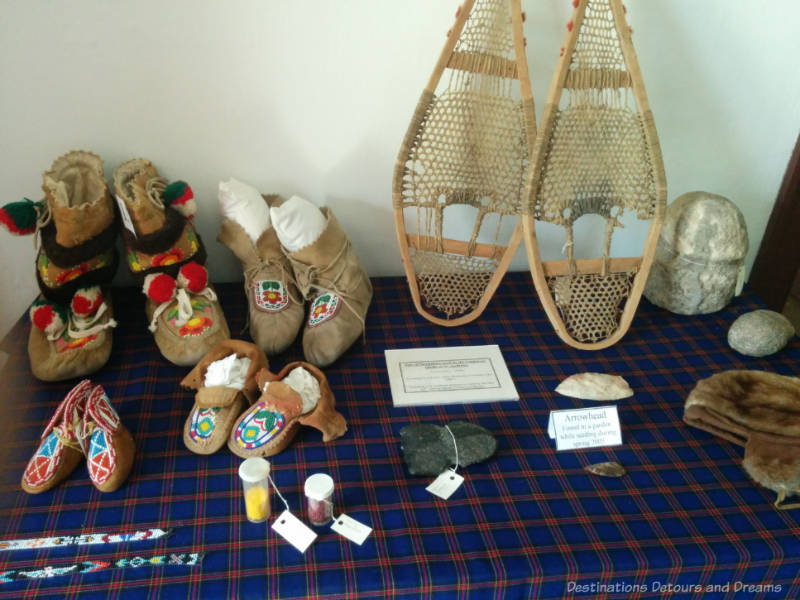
x,y
275,307
76,221
225,380
59,451
298,395
166,253
107,444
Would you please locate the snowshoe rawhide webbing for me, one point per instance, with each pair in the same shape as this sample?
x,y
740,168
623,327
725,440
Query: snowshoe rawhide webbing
x,y
596,153
463,161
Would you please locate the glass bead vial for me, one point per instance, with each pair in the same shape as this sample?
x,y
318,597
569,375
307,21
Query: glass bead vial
x,y
254,473
319,490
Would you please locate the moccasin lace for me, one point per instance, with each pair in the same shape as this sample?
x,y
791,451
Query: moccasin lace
x,y
98,415
66,421
80,326
309,278
184,304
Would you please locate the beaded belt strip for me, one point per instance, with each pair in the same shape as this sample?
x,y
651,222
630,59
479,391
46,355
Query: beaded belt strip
x,y
83,539
92,566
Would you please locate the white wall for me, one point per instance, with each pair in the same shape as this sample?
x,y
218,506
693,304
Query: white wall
x,y
313,97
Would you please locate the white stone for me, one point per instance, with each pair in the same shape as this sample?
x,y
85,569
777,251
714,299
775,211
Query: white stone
x,y
595,386
700,255
760,333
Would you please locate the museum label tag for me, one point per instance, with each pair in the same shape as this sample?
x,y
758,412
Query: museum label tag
x,y
126,217
351,529
445,484
294,531
585,427
740,280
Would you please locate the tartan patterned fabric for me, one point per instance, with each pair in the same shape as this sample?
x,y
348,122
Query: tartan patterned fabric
x,y
524,524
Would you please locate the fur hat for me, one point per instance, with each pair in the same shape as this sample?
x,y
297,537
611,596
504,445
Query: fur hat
x,y
757,410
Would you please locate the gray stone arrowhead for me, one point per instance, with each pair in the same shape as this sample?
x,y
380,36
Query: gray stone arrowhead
x,y
429,449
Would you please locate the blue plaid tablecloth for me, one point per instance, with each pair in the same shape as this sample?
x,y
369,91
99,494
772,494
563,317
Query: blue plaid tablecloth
x,y
528,523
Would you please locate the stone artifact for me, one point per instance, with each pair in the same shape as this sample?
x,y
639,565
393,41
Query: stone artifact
x,y
700,255
595,386
430,449
760,333
606,469
757,410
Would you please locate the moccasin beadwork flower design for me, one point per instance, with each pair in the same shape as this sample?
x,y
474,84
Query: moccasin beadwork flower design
x,y
323,308
270,295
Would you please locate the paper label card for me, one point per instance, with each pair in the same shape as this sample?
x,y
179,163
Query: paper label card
x,y
294,531
740,280
126,217
445,484
425,376
585,427
351,529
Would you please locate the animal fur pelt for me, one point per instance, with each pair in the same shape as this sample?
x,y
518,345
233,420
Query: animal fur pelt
x,y
757,410
66,257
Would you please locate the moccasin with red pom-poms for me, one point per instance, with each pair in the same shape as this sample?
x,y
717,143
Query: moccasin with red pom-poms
x,y
70,341
165,252
77,225
184,313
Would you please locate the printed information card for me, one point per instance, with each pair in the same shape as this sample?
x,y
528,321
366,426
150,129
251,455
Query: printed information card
x,y
585,427
422,376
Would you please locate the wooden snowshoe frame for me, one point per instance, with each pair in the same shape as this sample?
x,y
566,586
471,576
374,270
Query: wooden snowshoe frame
x,y
469,144
596,153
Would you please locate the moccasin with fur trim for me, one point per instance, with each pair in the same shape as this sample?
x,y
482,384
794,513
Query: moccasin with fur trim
x,y
59,451
77,223
165,251
267,427
217,406
185,317
70,342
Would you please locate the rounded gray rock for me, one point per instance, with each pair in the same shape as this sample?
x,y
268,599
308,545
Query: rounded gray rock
x,y
760,333
700,255
430,449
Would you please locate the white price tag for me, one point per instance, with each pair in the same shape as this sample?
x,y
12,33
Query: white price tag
x,y
351,529
294,531
740,280
445,484
585,427
126,217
